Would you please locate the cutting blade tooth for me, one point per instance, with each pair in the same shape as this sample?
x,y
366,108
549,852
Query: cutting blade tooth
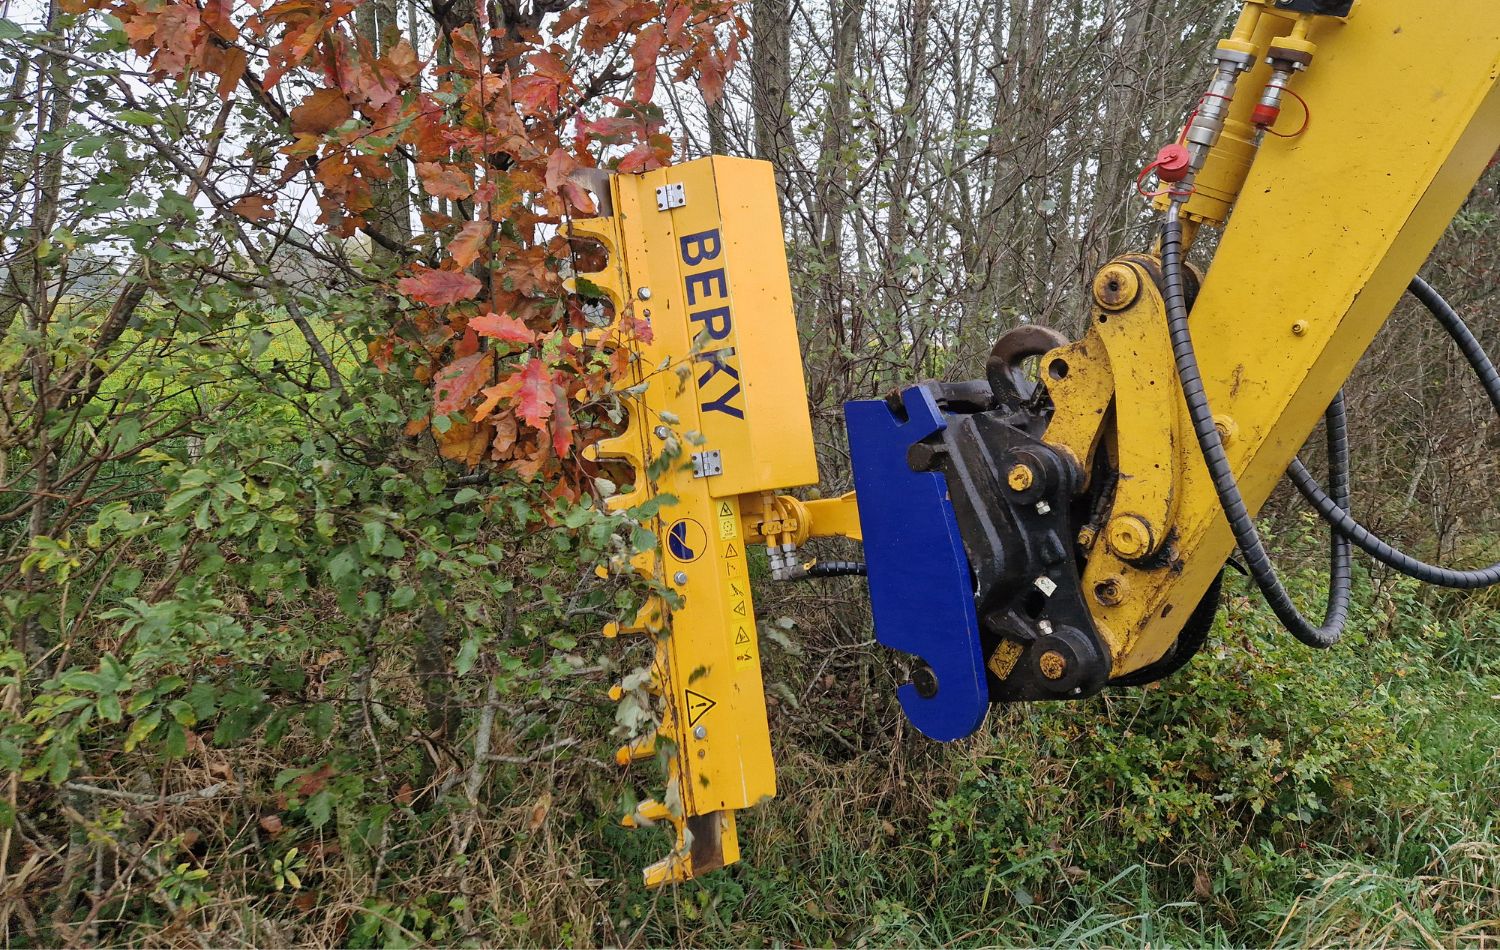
x,y
671,869
643,747
600,229
647,813
626,446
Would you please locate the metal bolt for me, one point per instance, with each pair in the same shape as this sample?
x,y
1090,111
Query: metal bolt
x,y
1116,287
1109,591
1020,477
699,732
1226,427
662,432
1053,665
925,681
1300,327
679,578
1129,537
1042,508
644,293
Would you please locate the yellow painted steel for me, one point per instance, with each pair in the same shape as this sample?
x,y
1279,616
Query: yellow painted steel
x,y
720,387
1328,230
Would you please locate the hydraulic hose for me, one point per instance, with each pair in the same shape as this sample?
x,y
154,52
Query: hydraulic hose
x,y
1338,515
1245,535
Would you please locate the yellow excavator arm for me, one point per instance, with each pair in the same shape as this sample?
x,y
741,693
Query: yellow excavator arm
x,y
1060,526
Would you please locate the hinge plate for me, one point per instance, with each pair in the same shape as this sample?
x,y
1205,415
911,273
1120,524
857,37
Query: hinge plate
x,y
671,196
707,464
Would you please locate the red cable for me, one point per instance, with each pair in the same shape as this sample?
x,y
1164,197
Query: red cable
x,y
1306,117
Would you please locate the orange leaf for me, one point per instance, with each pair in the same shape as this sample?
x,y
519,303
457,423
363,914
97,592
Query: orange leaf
x,y
500,326
505,436
465,247
438,287
445,181
254,208
463,442
456,383
323,110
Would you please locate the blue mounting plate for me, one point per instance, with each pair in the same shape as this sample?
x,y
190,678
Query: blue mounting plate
x,y
921,590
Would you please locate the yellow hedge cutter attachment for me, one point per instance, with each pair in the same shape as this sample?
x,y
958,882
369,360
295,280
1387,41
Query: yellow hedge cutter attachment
x,y
1060,526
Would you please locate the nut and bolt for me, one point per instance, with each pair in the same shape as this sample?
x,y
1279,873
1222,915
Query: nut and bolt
x,y
1300,327
679,578
1042,508
699,732
644,293
662,432
1020,477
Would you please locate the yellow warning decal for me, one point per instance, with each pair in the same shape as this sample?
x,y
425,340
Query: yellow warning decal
x,y
727,522
697,705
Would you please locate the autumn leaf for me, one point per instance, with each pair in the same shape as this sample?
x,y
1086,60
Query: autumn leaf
x,y
321,112
500,326
455,384
464,441
560,165
562,422
464,247
643,57
537,95
437,288
639,159
445,181
254,208
530,390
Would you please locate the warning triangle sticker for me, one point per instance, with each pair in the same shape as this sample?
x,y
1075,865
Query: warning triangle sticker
x,y
725,511
729,550
742,636
739,608
697,705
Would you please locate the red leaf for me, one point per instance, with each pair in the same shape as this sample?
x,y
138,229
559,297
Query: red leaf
x,y
530,390
445,181
643,57
639,159
323,110
562,422
536,95
579,197
677,17
501,326
439,287
465,247
456,383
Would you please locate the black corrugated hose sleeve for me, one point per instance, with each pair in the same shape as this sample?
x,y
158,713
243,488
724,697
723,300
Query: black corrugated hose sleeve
x,y
838,569
1233,503
1338,515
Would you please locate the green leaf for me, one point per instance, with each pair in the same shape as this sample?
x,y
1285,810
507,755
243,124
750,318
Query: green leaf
x,y
318,810
137,117
467,654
